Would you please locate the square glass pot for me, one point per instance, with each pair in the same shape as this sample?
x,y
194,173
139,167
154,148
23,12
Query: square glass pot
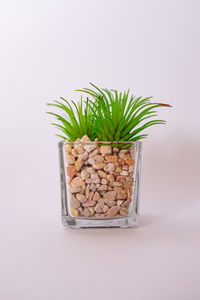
x,y
99,183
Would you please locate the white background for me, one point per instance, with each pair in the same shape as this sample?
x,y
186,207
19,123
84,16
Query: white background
x,y
50,48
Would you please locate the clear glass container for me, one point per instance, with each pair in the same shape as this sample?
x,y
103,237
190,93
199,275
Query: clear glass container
x,y
99,183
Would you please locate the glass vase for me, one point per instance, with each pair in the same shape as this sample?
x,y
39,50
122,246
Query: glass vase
x,y
99,183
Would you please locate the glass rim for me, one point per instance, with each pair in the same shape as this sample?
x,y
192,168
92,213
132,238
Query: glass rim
x,y
100,142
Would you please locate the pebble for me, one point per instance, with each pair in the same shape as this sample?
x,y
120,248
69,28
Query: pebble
x,y
83,156
74,153
71,171
115,150
117,183
111,167
118,170
92,211
90,170
79,149
110,178
105,208
81,198
70,159
98,165
94,176
93,153
124,173
90,147
98,208
131,168
113,211
126,202
89,203
102,174
99,158
85,139
105,150
119,202
91,195
75,189
78,164
87,191
101,202
125,167
131,152
68,148
91,161
103,187
111,203
104,181
84,174
74,212
96,196
86,212
123,211
111,158
123,153
90,180
77,181
93,187
110,195
129,160
74,203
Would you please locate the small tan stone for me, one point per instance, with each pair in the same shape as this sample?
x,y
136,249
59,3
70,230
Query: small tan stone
x,y
124,173
121,194
110,178
98,165
81,198
92,211
78,164
103,187
131,152
74,153
91,161
111,158
123,211
71,170
116,164
102,174
87,191
117,183
90,180
74,212
90,147
110,195
115,150
68,149
129,160
110,188
75,189
96,196
112,211
126,203
89,203
94,176
83,156
118,170
105,150
104,181
93,187
120,178
78,148
125,167
111,167
99,158
84,174
98,208
121,161
123,153
70,159
74,203
90,170
86,212
99,215
119,202
131,168
85,138
106,168
111,203
93,153
105,208
80,209
91,195
77,181
101,202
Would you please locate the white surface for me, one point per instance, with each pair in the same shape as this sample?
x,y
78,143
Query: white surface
x,y
48,49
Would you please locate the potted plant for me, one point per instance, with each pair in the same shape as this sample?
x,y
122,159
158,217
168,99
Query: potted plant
x,y
100,156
